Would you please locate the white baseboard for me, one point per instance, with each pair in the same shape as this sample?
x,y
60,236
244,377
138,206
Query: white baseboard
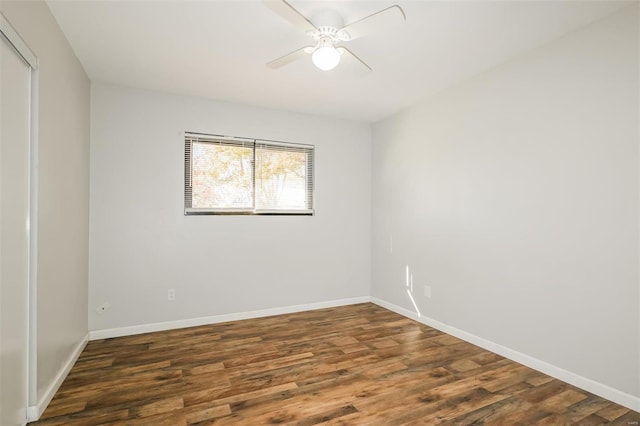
x,y
193,322
574,379
35,411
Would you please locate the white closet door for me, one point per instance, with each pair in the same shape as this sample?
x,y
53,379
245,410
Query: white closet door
x,y
15,83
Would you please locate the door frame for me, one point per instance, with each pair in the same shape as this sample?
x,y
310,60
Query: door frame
x,y
28,56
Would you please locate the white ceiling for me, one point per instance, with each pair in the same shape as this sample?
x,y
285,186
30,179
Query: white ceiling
x,y
218,49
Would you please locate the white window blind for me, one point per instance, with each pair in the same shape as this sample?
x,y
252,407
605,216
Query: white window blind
x,y
247,176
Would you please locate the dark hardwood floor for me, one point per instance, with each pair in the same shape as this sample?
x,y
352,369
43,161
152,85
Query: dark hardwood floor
x,y
358,364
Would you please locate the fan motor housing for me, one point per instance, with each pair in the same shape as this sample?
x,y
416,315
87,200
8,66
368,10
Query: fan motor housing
x,y
329,26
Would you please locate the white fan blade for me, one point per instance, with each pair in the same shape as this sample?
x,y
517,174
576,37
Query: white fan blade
x,y
379,21
290,57
289,13
346,51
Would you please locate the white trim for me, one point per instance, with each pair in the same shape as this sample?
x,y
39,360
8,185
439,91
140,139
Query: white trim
x,y
195,211
21,48
193,322
207,137
203,137
33,241
637,12
615,395
14,39
305,212
202,210
35,411
32,413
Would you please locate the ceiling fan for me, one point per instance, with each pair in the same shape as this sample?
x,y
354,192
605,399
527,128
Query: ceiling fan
x,y
327,30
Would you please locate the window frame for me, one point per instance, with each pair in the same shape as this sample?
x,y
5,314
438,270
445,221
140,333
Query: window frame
x,y
191,137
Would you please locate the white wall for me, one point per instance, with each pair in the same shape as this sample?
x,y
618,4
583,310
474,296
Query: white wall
x,y
515,197
141,243
63,197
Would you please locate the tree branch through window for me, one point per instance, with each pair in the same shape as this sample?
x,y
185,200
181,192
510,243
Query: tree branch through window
x,y
239,176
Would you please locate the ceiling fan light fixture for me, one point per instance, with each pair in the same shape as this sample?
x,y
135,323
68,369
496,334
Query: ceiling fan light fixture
x,y
325,57
327,30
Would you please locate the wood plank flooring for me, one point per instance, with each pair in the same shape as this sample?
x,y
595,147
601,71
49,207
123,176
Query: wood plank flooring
x,y
358,364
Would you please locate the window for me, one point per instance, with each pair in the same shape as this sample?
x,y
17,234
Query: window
x,y
246,176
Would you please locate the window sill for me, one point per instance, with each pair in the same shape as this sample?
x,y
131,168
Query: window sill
x,y
232,212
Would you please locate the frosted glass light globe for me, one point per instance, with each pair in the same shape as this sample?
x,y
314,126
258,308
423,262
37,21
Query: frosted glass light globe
x,y
325,58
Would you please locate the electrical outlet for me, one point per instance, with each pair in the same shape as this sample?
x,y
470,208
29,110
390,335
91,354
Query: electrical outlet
x,y
104,307
427,291
171,294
